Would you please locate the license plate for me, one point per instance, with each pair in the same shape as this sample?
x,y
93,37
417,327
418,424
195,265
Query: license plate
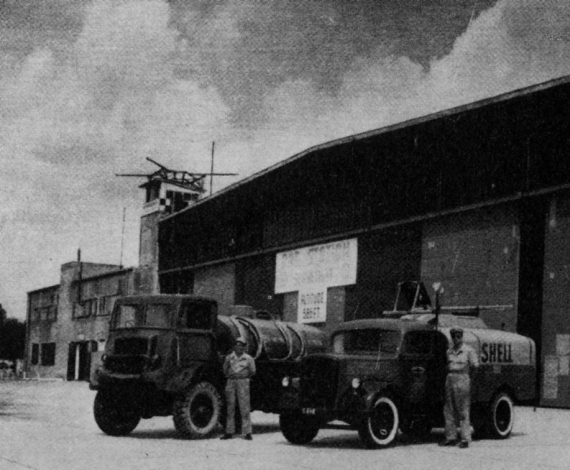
x,y
309,411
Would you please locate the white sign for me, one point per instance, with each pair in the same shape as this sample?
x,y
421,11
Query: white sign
x,y
329,265
312,305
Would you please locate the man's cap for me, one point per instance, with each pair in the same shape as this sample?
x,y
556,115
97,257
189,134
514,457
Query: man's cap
x,y
241,340
457,330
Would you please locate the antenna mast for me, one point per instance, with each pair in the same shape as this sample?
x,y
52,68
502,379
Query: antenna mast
x,y
122,238
183,179
212,169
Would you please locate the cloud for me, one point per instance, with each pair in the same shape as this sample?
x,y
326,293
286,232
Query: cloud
x,y
75,116
512,45
104,84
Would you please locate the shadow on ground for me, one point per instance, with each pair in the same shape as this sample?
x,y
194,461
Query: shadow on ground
x,y
172,434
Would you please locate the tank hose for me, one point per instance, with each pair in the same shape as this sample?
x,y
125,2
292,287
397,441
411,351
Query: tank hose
x,y
301,340
239,326
254,332
287,337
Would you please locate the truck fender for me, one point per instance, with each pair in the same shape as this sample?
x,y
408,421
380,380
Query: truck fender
x,y
183,378
372,390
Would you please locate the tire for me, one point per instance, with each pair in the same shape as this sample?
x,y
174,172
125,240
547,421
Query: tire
x,y
380,427
113,414
196,414
298,428
501,416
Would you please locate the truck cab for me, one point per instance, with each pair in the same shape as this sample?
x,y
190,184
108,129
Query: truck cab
x,y
157,346
164,356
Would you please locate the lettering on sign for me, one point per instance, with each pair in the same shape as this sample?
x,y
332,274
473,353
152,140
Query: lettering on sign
x,y
313,305
331,265
492,353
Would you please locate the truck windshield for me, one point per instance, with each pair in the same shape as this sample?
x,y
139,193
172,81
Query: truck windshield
x,y
136,315
367,341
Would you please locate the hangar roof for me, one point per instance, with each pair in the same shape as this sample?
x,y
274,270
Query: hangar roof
x,y
383,130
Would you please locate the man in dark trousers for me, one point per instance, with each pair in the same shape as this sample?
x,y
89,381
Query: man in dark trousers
x,y
239,367
461,362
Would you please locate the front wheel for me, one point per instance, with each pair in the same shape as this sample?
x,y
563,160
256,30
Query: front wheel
x,y
380,427
196,414
114,414
298,428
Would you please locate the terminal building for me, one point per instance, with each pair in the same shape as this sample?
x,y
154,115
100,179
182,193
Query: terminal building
x,y
475,198
68,323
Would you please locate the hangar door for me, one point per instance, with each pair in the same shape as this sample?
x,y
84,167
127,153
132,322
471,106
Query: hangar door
x,y
475,256
555,388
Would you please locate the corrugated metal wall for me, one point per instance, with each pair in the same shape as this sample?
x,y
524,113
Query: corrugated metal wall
x,y
216,282
255,282
384,259
556,307
475,256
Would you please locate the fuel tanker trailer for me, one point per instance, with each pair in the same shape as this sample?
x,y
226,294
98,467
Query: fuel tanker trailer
x,y
164,356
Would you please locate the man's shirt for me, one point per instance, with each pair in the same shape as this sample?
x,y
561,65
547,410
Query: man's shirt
x,y
460,360
242,367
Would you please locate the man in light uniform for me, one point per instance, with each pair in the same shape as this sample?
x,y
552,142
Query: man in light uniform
x,y
239,367
461,362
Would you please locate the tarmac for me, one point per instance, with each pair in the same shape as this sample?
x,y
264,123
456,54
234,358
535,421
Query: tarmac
x,y
49,425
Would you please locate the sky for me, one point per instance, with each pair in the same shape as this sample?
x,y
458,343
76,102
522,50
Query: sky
x,y
89,89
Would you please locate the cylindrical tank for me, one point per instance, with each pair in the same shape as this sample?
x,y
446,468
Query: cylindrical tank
x,y
270,339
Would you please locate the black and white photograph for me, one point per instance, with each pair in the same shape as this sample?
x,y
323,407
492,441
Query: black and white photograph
x,y
284,234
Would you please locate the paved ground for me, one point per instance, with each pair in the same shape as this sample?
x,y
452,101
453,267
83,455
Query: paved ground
x,y
49,425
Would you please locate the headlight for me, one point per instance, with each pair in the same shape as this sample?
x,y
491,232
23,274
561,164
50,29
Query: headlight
x,y
355,383
286,381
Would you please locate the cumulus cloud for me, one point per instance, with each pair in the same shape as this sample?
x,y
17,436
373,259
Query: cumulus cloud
x,y
510,46
74,117
113,82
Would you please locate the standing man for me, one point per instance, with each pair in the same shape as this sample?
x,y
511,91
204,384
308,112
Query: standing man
x,y
239,367
461,362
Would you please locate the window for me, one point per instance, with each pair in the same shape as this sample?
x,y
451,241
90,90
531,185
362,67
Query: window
x,y
197,316
52,313
136,315
36,314
90,307
157,315
48,354
127,316
85,309
106,305
78,311
45,308
35,354
367,341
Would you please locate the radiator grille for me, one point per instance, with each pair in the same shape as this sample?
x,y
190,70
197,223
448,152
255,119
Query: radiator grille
x,y
319,382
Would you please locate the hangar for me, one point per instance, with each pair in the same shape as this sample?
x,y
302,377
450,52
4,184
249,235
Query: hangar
x,y
476,198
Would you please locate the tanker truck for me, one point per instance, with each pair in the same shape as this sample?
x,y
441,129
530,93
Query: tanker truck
x,y
164,356
386,376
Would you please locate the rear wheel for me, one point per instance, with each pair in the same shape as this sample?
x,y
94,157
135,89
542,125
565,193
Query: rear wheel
x,y
197,413
380,427
298,428
501,418
114,414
